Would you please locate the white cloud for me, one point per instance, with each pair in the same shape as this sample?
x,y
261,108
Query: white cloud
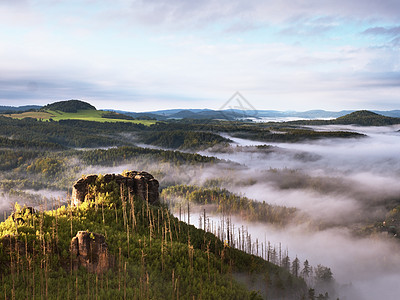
x,y
286,52
197,12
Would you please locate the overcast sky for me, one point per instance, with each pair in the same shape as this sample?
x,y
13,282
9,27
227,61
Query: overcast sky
x,y
157,54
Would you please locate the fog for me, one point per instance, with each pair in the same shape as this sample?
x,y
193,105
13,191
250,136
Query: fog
x,y
338,179
376,153
343,183
364,268
340,184
38,199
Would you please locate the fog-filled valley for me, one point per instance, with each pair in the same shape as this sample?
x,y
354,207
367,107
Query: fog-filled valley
x,y
322,194
344,186
200,150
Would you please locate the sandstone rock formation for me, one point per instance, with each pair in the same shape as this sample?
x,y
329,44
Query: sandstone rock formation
x,y
139,184
90,250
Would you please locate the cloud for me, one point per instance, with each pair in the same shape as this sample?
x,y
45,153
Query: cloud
x,y
391,31
292,52
314,26
184,14
204,13
212,72
13,2
396,41
382,80
240,27
45,90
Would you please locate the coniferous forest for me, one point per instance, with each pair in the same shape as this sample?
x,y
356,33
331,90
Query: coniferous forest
x,y
196,242
199,150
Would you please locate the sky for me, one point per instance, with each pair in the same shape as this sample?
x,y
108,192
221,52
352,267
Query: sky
x,y
143,55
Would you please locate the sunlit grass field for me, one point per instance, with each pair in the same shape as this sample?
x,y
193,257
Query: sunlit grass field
x,y
87,115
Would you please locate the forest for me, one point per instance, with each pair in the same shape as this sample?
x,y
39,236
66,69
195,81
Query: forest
x,y
71,106
231,204
203,173
154,256
360,118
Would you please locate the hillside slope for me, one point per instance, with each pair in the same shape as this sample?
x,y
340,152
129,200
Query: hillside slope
x,y
76,110
145,253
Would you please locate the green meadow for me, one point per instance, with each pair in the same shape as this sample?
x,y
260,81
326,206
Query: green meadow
x,y
87,115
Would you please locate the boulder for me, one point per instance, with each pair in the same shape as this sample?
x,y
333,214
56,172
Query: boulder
x,y
90,250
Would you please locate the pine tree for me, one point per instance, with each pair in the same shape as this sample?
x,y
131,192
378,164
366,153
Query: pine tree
x,y
286,263
295,267
305,273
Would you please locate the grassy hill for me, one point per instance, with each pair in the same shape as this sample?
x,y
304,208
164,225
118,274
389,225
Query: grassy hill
x,y
155,256
76,110
85,115
93,115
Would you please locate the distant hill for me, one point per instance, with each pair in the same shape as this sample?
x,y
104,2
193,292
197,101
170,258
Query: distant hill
x,y
229,115
234,114
169,112
361,118
139,116
390,113
315,114
73,106
14,109
366,118
197,114
184,114
69,106
78,110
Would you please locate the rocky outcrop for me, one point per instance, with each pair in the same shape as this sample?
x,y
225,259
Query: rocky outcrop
x,y
139,184
81,188
90,250
144,185
21,216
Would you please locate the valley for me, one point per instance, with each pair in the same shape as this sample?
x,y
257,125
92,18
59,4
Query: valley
x,y
284,193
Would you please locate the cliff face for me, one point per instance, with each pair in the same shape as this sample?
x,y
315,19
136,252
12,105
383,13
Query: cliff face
x,y
139,184
90,250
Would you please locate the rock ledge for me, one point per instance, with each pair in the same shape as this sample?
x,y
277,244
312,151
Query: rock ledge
x,y
140,184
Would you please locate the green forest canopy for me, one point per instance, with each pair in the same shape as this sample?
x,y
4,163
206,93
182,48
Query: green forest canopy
x,y
70,106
